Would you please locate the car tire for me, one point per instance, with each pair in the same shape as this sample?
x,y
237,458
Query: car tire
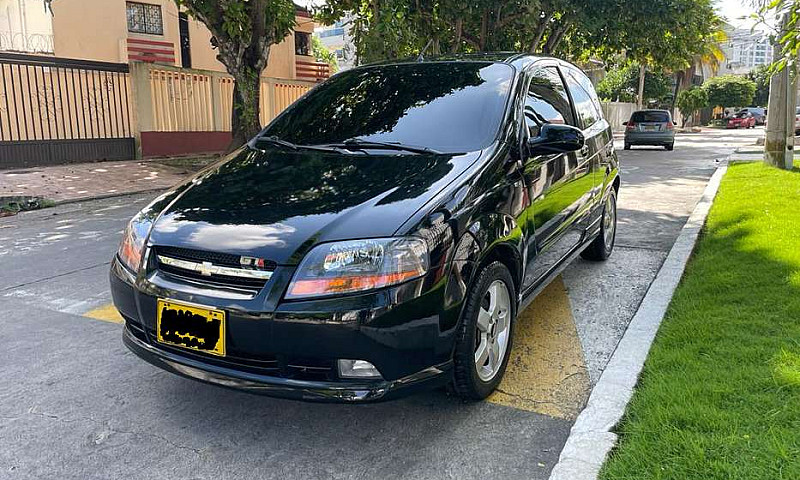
x,y
484,339
627,146
602,246
670,147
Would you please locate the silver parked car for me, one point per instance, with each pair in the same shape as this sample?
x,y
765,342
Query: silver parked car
x,y
650,127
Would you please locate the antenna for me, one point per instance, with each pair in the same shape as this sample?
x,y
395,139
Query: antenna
x,y
421,57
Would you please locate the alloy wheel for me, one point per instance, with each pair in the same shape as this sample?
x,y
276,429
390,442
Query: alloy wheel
x,y
493,330
610,221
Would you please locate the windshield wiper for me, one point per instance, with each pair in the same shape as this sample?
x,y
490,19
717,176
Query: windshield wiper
x,y
362,144
273,140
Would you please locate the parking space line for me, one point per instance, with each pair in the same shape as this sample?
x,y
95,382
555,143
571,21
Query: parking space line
x,y
546,370
106,313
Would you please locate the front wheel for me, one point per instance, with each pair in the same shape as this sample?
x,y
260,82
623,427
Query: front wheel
x,y
602,246
484,337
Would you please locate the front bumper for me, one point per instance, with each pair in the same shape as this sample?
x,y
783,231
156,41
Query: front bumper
x,y
346,392
266,351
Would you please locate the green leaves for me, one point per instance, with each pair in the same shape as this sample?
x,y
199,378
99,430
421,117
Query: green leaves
x,y
692,100
622,84
729,91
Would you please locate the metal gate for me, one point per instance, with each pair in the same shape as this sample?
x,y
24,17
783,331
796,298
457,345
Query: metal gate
x,y
58,110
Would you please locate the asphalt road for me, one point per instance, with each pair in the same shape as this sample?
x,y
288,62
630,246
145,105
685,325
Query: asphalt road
x,y
76,404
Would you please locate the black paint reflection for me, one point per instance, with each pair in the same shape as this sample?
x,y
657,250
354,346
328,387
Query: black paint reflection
x,y
450,107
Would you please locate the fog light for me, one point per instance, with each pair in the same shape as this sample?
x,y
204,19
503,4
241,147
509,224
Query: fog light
x,y
357,369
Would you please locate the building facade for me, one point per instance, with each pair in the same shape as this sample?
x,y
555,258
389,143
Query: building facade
x,y
153,31
115,79
745,50
337,39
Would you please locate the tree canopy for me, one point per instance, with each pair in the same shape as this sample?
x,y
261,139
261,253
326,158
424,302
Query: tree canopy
x,y
690,101
761,76
666,33
622,84
729,91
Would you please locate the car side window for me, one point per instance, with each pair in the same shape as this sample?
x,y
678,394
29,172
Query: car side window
x,y
546,101
588,110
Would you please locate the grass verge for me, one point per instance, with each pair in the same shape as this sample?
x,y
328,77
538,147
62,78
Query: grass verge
x,y
719,397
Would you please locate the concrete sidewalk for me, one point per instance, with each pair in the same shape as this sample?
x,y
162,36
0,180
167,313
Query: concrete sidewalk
x,y
82,181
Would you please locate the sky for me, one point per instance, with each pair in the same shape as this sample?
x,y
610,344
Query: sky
x,y
733,10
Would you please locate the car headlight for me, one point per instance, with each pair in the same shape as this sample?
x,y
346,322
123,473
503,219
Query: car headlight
x,y
358,265
132,246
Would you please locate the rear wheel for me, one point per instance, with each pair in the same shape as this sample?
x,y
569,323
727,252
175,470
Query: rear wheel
x,y
627,146
670,146
484,338
602,246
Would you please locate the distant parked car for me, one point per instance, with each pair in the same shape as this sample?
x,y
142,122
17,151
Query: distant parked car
x,y
759,114
742,119
797,121
650,127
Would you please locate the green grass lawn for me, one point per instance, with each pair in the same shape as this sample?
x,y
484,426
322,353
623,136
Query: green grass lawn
x,y
719,397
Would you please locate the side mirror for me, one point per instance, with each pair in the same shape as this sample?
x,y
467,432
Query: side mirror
x,y
555,138
624,124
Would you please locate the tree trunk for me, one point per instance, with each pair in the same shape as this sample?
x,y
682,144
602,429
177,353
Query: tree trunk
x,y
541,28
457,40
245,119
640,97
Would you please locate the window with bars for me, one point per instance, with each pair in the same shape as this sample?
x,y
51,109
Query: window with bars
x,y
145,18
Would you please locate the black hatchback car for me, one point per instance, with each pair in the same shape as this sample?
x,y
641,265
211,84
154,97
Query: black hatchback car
x,y
378,237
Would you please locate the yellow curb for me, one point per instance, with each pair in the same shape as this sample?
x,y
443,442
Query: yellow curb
x,y
546,371
106,313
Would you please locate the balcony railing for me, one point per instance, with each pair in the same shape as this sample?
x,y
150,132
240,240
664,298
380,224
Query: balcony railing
x,y
312,71
26,43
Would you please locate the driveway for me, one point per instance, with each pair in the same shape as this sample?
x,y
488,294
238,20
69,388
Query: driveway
x,y
76,404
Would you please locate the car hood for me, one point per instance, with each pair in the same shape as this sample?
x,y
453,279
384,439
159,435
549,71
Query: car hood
x,y
277,204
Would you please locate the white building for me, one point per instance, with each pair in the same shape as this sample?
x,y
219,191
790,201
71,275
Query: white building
x,y
745,50
337,39
26,26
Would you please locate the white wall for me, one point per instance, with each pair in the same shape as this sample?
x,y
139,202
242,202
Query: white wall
x,y
618,112
25,26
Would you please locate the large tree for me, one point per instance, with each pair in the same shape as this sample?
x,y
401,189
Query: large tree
x,y
243,32
729,91
666,33
621,84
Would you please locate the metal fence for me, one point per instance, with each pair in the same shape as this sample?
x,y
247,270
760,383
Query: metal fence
x,y
56,110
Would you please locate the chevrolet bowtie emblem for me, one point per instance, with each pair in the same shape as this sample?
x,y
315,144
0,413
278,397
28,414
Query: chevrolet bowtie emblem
x,y
205,269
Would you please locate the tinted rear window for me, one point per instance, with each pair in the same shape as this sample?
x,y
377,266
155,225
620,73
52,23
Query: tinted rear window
x,y
447,106
650,117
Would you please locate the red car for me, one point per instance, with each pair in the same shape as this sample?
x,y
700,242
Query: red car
x,y
742,119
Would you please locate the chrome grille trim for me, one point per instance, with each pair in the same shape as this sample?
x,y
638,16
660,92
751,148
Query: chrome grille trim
x,y
208,269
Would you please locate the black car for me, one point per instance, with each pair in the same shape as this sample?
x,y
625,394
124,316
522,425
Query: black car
x,y
378,237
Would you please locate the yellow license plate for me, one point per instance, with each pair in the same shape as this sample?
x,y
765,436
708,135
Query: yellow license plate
x,y
191,326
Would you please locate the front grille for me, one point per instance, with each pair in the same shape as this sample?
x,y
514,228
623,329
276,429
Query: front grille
x,y
216,259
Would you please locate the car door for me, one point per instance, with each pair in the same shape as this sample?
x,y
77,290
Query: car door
x,y
557,184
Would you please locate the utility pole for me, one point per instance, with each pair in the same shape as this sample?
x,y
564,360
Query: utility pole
x,y
779,141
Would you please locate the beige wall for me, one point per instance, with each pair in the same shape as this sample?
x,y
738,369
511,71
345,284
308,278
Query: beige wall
x,y
90,30
97,30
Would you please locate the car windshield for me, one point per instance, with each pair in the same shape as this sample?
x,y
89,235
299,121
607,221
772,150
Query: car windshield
x,y
445,106
660,117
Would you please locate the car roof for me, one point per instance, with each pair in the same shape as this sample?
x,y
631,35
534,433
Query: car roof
x,y
515,59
